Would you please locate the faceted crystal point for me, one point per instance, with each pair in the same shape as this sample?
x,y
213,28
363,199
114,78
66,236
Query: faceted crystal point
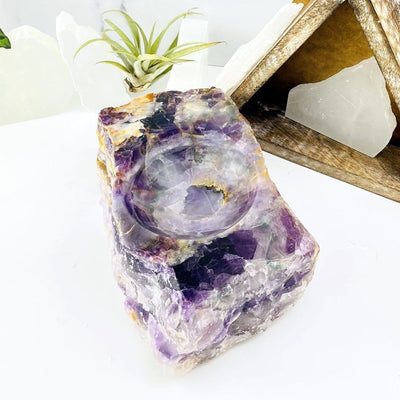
x,y
206,250
352,107
34,80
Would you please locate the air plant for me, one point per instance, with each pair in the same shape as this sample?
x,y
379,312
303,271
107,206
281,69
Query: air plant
x,y
4,40
139,53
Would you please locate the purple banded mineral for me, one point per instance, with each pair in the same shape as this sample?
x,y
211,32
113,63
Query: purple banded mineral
x,y
206,250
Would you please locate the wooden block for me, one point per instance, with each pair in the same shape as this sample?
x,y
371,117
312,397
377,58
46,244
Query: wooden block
x,y
280,136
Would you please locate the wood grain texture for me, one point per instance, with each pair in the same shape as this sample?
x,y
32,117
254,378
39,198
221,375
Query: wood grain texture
x,y
280,136
327,51
388,12
380,45
310,18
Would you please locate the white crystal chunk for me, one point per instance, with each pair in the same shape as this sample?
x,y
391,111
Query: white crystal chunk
x,y
98,85
192,74
246,58
351,107
34,79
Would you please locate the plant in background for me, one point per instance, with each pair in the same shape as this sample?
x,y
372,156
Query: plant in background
x,y
4,40
139,52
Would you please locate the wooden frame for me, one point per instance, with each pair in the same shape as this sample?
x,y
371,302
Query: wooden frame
x,y
306,23
380,22
280,136
381,38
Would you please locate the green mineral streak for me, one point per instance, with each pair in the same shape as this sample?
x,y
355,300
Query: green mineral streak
x,y
4,40
274,265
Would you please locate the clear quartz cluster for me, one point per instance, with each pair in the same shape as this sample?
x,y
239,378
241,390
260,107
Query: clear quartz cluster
x,y
351,107
206,250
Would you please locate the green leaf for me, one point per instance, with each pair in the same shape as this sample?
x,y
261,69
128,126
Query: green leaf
x,y
117,48
156,44
139,84
87,43
157,74
152,33
173,43
135,51
136,81
155,57
146,66
145,58
189,50
146,46
4,41
132,26
116,64
128,55
172,49
139,70
160,75
136,30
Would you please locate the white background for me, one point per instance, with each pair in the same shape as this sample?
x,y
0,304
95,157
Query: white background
x,y
234,22
63,330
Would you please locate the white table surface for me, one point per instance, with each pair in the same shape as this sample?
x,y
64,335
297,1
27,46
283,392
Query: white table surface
x,y
64,333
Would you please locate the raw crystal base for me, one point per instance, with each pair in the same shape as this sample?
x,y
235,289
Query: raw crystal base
x,y
97,84
206,250
352,107
34,80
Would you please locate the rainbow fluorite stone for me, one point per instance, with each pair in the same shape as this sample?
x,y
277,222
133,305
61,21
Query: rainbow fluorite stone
x,y
206,250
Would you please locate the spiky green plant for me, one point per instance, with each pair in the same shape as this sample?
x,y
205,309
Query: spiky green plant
x,y
139,52
4,41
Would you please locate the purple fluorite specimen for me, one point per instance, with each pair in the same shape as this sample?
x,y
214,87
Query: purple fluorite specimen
x,y
206,250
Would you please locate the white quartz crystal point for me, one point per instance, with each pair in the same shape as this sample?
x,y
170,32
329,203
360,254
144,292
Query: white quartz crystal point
x,y
98,85
250,54
34,79
192,74
351,107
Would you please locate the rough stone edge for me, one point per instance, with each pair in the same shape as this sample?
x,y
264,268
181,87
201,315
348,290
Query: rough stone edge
x,y
305,24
